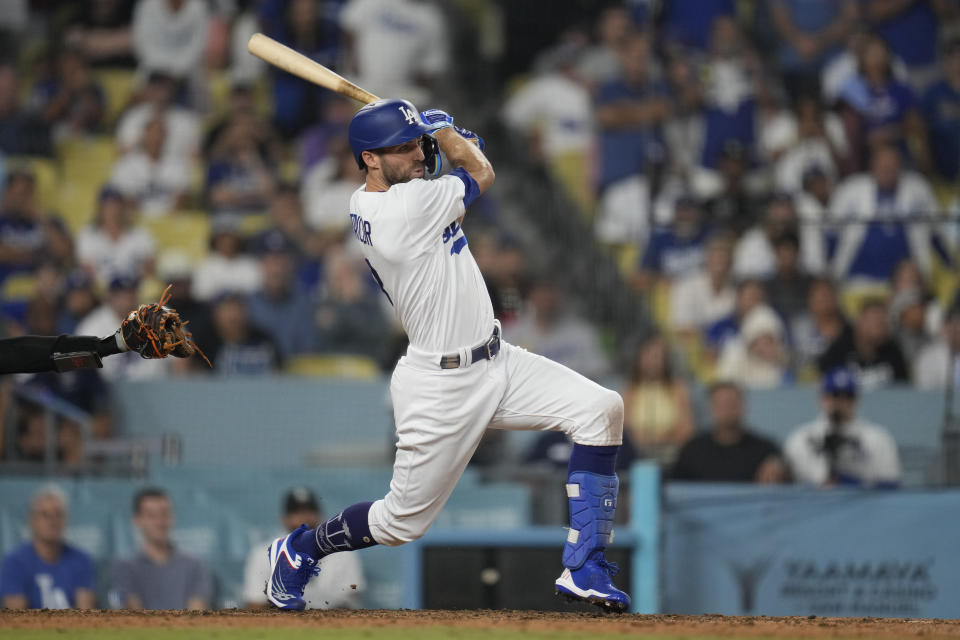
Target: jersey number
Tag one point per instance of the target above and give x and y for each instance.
(376, 276)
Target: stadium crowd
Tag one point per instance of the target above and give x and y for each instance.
(778, 178)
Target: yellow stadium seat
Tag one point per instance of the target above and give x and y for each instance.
(118, 86)
(77, 204)
(218, 84)
(333, 366)
(87, 160)
(45, 172)
(852, 298)
(19, 286)
(187, 231)
(254, 223)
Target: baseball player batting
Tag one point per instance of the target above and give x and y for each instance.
(458, 377)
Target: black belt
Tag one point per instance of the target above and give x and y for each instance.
(486, 351)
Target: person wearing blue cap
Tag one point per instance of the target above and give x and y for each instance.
(838, 448)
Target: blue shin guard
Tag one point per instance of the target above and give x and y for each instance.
(587, 575)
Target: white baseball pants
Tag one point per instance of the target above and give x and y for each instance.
(441, 414)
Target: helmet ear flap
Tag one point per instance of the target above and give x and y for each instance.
(432, 159)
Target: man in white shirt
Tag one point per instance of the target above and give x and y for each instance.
(170, 35)
(938, 365)
(700, 299)
(838, 448)
(340, 583)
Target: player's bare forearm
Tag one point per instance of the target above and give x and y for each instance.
(464, 154)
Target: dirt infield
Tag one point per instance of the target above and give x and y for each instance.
(580, 624)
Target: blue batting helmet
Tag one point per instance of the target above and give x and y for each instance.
(385, 123)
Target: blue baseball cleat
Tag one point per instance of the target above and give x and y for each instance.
(593, 583)
(289, 573)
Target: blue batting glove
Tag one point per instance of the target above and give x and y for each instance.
(470, 136)
(437, 118)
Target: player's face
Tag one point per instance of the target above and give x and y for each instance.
(402, 163)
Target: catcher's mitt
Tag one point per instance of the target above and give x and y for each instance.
(156, 331)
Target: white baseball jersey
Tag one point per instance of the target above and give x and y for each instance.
(419, 255)
(870, 458)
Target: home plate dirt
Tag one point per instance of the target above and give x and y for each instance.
(579, 624)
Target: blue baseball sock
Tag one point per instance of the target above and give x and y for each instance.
(599, 460)
(346, 531)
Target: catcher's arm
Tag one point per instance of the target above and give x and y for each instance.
(156, 331)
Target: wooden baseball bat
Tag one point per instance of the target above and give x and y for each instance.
(301, 66)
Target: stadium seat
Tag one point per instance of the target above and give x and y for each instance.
(85, 165)
(335, 366)
(118, 86)
(187, 231)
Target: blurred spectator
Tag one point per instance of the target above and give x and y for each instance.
(907, 277)
(750, 295)
(78, 301)
(787, 288)
(908, 315)
(70, 102)
(941, 109)
(600, 63)
(111, 246)
(688, 24)
(157, 99)
(685, 125)
(46, 572)
(882, 218)
(327, 188)
(551, 449)
(155, 181)
(843, 66)
(732, 203)
(628, 110)
(503, 263)
(548, 328)
(731, 72)
(758, 358)
(880, 110)
(729, 452)
(554, 114)
(658, 414)
(101, 30)
(103, 321)
(838, 448)
(938, 365)
(811, 206)
(227, 267)
(910, 27)
(340, 583)
(676, 251)
(869, 350)
(28, 235)
(820, 325)
(810, 33)
(805, 138)
(303, 26)
(237, 347)
(280, 308)
(754, 256)
(239, 176)
(241, 107)
(349, 316)
(313, 145)
(701, 299)
(20, 132)
(398, 46)
(245, 68)
(170, 36)
(286, 216)
(158, 576)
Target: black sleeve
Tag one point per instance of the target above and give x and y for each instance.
(901, 373)
(31, 354)
(683, 467)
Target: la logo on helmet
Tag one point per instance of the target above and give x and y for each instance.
(410, 116)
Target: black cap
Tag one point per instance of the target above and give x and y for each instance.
(299, 499)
